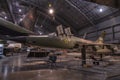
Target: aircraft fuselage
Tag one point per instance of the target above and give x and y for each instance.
(51, 42)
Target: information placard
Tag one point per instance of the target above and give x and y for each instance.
(1, 49)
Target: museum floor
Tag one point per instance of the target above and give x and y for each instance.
(22, 68)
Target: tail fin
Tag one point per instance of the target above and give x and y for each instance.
(84, 36)
(101, 38)
(60, 31)
(68, 32)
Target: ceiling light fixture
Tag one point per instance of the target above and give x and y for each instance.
(101, 10)
(50, 5)
(51, 11)
(21, 19)
(20, 10)
(5, 17)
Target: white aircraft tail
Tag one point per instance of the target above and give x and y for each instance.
(68, 32)
(101, 38)
(64, 32)
(84, 36)
(60, 31)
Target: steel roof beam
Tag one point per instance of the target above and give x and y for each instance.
(111, 3)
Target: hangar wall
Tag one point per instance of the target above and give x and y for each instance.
(111, 26)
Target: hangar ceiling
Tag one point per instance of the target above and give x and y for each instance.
(77, 14)
(112, 3)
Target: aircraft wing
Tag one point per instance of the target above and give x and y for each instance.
(8, 28)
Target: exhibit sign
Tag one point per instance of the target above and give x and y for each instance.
(1, 49)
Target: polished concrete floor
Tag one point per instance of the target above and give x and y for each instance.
(60, 74)
(21, 68)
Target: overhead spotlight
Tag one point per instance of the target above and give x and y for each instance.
(1, 45)
(5, 17)
(50, 5)
(20, 10)
(101, 10)
(51, 11)
(21, 19)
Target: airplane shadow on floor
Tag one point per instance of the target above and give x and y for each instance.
(40, 66)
